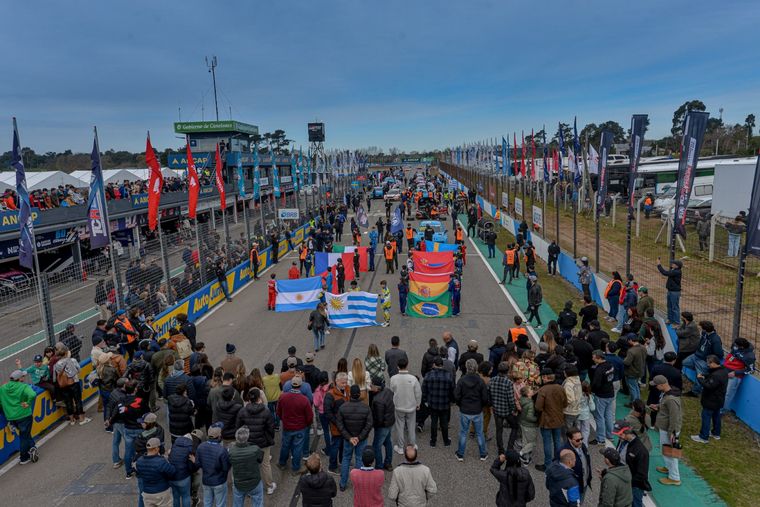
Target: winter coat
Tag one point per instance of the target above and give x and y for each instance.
(383, 410)
(670, 412)
(551, 403)
(709, 343)
(635, 362)
(226, 413)
(154, 473)
(471, 394)
(354, 420)
(245, 460)
(616, 487)
(673, 283)
(259, 421)
(637, 459)
(574, 393)
(562, 485)
(173, 380)
(477, 356)
(495, 353)
(181, 412)
(333, 401)
(535, 294)
(688, 338)
(714, 385)
(214, 460)
(517, 478)
(528, 416)
(411, 485)
(317, 490)
(567, 319)
(182, 448)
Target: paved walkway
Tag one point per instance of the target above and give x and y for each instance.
(694, 491)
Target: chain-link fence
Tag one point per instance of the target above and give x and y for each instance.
(710, 260)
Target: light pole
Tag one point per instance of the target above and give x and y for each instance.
(212, 69)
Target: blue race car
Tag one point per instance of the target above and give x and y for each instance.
(440, 234)
(377, 192)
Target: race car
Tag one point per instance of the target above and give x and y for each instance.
(428, 208)
(439, 232)
(378, 193)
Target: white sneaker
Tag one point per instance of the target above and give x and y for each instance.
(699, 439)
(327, 331)
(320, 432)
(84, 421)
(616, 330)
(271, 488)
(398, 450)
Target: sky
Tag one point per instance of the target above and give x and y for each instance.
(415, 75)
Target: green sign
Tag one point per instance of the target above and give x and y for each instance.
(191, 127)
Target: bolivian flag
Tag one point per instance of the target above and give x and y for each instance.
(427, 286)
(429, 307)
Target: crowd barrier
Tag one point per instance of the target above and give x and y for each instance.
(46, 414)
(746, 404)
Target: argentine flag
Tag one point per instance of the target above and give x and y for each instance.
(301, 294)
(352, 309)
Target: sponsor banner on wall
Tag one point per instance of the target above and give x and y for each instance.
(505, 200)
(288, 214)
(538, 217)
(518, 206)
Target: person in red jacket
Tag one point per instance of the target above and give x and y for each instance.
(296, 415)
(272, 287)
(293, 272)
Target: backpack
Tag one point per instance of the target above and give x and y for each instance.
(184, 349)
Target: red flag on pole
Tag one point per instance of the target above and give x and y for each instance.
(220, 179)
(514, 152)
(522, 154)
(193, 185)
(533, 156)
(155, 185)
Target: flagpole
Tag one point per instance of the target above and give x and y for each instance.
(112, 253)
(164, 258)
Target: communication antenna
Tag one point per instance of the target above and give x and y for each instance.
(212, 64)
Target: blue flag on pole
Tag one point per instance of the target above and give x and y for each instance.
(561, 151)
(275, 174)
(241, 180)
(396, 222)
(256, 173)
(504, 156)
(97, 222)
(25, 219)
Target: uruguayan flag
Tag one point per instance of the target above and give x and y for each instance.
(301, 294)
(352, 309)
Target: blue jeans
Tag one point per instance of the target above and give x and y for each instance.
(614, 305)
(383, 440)
(335, 444)
(622, 316)
(292, 443)
(105, 396)
(464, 425)
(491, 251)
(118, 434)
(552, 438)
(633, 388)
(256, 494)
(325, 423)
(710, 416)
(305, 444)
(604, 417)
(26, 442)
(733, 386)
(698, 365)
(272, 405)
(225, 289)
(638, 497)
(215, 496)
(345, 465)
(319, 338)
(733, 244)
(674, 306)
(129, 448)
(181, 492)
(371, 255)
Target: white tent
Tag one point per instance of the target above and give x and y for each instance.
(37, 180)
(109, 176)
(144, 174)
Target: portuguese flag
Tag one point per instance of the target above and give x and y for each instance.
(429, 307)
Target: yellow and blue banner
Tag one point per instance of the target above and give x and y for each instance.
(434, 246)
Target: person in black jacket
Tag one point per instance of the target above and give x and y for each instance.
(354, 422)
(128, 413)
(383, 419)
(259, 420)
(472, 353)
(635, 454)
(516, 487)
(602, 377)
(428, 358)
(184, 468)
(582, 466)
(226, 413)
(714, 384)
(567, 320)
(471, 394)
(673, 286)
(317, 488)
(551, 262)
(187, 328)
(150, 429)
(561, 482)
(181, 410)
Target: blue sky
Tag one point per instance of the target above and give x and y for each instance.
(407, 74)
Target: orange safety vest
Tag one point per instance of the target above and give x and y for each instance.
(394, 246)
(304, 252)
(610, 285)
(510, 257)
(409, 233)
(515, 332)
(459, 234)
(388, 253)
(128, 325)
(648, 201)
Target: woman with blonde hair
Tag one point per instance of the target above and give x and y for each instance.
(549, 339)
(359, 376)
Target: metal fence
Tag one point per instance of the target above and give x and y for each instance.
(710, 264)
(152, 273)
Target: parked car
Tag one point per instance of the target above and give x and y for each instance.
(13, 282)
(696, 208)
(440, 233)
(393, 194)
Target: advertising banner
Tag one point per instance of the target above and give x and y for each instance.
(518, 206)
(538, 217)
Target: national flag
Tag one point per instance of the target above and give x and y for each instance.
(240, 179)
(362, 218)
(561, 153)
(256, 173)
(593, 160)
(25, 219)
(396, 222)
(426, 285)
(522, 155)
(546, 159)
(193, 185)
(577, 147)
(97, 214)
(299, 294)
(430, 307)
(433, 263)
(352, 309)
(533, 155)
(155, 184)
(294, 169)
(275, 174)
(514, 170)
(220, 179)
(349, 250)
(434, 246)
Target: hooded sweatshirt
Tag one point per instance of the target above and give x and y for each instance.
(12, 394)
(616, 487)
(574, 393)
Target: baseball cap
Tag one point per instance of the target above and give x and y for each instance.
(18, 374)
(230, 348)
(643, 289)
(621, 427)
(611, 454)
(120, 312)
(148, 418)
(215, 431)
(658, 380)
(292, 361)
(37, 358)
(309, 357)
(153, 443)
